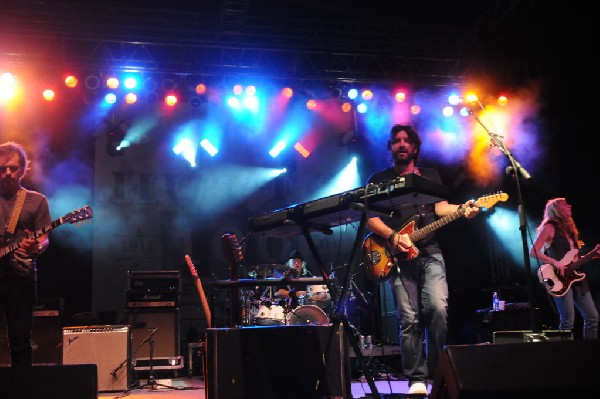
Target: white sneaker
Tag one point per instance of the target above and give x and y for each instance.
(418, 388)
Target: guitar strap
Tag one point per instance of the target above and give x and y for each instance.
(14, 216)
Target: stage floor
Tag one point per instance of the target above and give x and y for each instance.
(194, 387)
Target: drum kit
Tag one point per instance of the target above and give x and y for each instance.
(261, 306)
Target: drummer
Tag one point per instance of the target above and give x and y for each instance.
(293, 295)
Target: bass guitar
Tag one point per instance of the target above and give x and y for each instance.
(377, 258)
(557, 285)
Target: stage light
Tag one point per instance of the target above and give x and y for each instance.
(131, 98)
(352, 94)
(71, 81)
(502, 101)
(311, 104)
(287, 92)
(302, 150)
(200, 88)
(400, 97)
(208, 147)
(276, 150)
(346, 107)
(168, 84)
(112, 83)
(238, 90)
(8, 86)
(110, 98)
(115, 134)
(251, 90)
(171, 100)
(48, 94)
(130, 83)
(415, 109)
(361, 108)
(448, 111)
(367, 95)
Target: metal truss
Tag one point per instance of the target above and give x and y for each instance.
(224, 40)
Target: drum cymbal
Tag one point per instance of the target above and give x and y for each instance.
(265, 270)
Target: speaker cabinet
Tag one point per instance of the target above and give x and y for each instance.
(277, 361)
(45, 334)
(105, 346)
(50, 382)
(165, 339)
(559, 369)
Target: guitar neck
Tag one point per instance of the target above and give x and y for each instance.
(419, 234)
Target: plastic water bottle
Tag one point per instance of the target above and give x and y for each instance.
(495, 302)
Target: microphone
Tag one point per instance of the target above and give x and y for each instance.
(511, 171)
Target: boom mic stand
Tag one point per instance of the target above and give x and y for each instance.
(519, 171)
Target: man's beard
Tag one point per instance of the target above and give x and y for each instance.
(8, 185)
(404, 160)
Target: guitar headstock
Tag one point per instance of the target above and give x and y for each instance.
(79, 215)
(232, 249)
(191, 266)
(489, 201)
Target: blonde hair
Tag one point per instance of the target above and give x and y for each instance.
(565, 223)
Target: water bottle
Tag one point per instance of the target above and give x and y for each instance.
(495, 302)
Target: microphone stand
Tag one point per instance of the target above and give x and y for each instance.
(519, 171)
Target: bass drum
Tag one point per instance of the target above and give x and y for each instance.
(269, 315)
(307, 314)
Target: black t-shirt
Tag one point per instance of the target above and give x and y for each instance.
(402, 213)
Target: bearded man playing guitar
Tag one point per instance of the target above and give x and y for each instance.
(557, 244)
(418, 285)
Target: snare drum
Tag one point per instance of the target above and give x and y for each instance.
(269, 314)
(307, 314)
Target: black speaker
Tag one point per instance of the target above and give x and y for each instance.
(46, 333)
(277, 361)
(50, 382)
(166, 337)
(558, 369)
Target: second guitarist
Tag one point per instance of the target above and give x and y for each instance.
(557, 234)
(419, 286)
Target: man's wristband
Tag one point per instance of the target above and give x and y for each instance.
(391, 238)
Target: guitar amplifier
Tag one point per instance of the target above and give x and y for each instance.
(152, 299)
(153, 280)
(106, 346)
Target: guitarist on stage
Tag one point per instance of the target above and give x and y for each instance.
(18, 268)
(557, 234)
(419, 286)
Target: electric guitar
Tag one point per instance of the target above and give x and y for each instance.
(200, 289)
(74, 217)
(377, 258)
(558, 285)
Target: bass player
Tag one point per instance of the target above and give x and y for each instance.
(557, 244)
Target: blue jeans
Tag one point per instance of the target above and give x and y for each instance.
(420, 294)
(580, 297)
